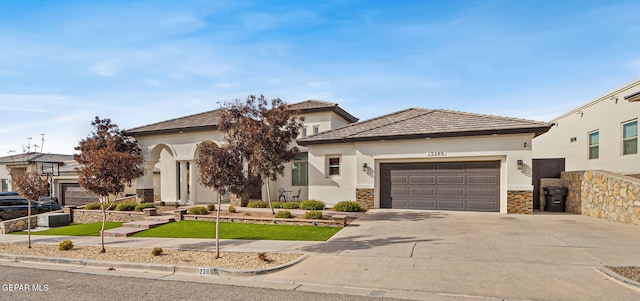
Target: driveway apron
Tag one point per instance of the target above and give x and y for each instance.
(542, 256)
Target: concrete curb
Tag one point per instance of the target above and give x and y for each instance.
(618, 278)
(173, 269)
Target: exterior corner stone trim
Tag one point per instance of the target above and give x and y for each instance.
(520, 202)
(365, 197)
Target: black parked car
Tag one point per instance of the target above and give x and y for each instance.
(49, 203)
(16, 206)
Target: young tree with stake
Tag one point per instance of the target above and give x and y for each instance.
(109, 160)
(31, 186)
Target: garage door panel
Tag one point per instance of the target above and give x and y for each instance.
(426, 191)
(422, 180)
(422, 204)
(450, 179)
(451, 192)
(478, 192)
(482, 179)
(473, 186)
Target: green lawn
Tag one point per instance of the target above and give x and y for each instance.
(92, 229)
(203, 229)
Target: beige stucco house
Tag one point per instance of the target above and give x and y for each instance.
(416, 158)
(600, 135)
(171, 146)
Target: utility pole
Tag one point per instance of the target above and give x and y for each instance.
(29, 145)
(42, 144)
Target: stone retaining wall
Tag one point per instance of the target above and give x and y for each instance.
(82, 216)
(573, 181)
(605, 195)
(259, 220)
(18, 224)
(520, 202)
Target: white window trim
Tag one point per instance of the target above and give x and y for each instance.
(303, 133)
(328, 166)
(316, 129)
(629, 138)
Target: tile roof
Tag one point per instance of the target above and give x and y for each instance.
(209, 120)
(35, 157)
(422, 123)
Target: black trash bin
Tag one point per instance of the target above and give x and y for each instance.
(555, 198)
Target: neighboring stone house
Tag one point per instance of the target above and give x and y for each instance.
(171, 145)
(426, 159)
(600, 135)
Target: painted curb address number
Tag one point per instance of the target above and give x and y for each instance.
(436, 154)
(204, 271)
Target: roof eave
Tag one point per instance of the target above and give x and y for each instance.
(534, 130)
(171, 131)
(336, 109)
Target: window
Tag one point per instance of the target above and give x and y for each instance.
(630, 138)
(594, 144)
(304, 132)
(5, 185)
(316, 129)
(334, 166)
(300, 170)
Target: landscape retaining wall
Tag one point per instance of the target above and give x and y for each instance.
(18, 224)
(604, 195)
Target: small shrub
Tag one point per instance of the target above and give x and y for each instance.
(258, 204)
(262, 257)
(347, 206)
(198, 210)
(283, 214)
(311, 205)
(93, 206)
(141, 206)
(65, 245)
(246, 213)
(176, 204)
(291, 205)
(277, 204)
(211, 207)
(126, 206)
(232, 209)
(313, 214)
(162, 203)
(157, 251)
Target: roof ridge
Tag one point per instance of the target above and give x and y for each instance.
(315, 100)
(490, 115)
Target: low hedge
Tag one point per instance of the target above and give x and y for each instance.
(291, 205)
(283, 214)
(142, 206)
(126, 206)
(258, 204)
(313, 214)
(312, 205)
(198, 210)
(347, 206)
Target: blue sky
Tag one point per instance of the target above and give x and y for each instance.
(140, 62)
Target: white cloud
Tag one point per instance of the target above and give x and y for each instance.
(106, 68)
(152, 82)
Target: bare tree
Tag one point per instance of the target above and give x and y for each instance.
(31, 186)
(221, 170)
(109, 161)
(262, 133)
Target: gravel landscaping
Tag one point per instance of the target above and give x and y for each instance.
(632, 273)
(228, 260)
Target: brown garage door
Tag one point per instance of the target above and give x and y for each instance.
(465, 186)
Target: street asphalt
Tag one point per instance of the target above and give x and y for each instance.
(426, 255)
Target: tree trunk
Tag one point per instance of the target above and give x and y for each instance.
(29, 224)
(218, 226)
(269, 198)
(104, 221)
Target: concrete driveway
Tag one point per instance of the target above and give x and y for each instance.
(462, 256)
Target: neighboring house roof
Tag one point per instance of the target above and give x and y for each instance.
(422, 123)
(209, 120)
(34, 157)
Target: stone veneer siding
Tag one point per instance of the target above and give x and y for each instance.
(364, 197)
(519, 202)
(607, 195)
(573, 181)
(145, 195)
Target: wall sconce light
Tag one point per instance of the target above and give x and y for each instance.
(520, 164)
(365, 167)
